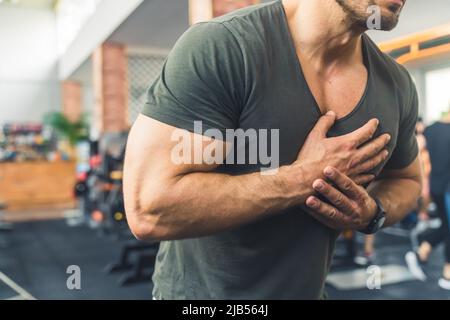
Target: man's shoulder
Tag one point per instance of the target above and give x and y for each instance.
(205, 40)
(391, 69)
(230, 28)
(243, 30)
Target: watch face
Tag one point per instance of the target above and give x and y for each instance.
(381, 222)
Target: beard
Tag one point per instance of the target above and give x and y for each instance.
(357, 12)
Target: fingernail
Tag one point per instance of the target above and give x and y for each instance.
(329, 172)
(377, 121)
(386, 153)
(312, 202)
(388, 138)
(318, 185)
(331, 113)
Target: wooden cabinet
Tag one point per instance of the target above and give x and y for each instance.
(37, 184)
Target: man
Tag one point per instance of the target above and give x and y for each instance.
(345, 114)
(438, 142)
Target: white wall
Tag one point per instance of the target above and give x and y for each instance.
(109, 15)
(28, 64)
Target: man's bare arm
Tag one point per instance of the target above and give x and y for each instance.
(168, 201)
(173, 201)
(399, 191)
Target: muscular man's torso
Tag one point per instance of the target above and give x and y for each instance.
(242, 71)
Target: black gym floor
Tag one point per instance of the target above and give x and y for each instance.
(35, 256)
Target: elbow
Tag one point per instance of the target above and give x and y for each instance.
(150, 213)
(143, 231)
(146, 225)
(420, 185)
(417, 192)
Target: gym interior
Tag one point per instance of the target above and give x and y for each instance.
(74, 76)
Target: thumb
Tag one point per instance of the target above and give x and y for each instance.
(325, 123)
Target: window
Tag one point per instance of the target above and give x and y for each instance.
(438, 93)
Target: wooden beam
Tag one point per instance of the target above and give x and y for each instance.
(416, 38)
(412, 42)
(425, 54)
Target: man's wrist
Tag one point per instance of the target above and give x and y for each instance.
(372, 210)
(378, 218)
(297, 183)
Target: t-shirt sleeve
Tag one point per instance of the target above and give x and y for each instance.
(201, 80)
(407, 149)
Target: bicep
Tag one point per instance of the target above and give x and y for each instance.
(412, 172)
(157, 153)
(406, 148)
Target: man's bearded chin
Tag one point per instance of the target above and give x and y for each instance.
(359, 15)
(389, 22)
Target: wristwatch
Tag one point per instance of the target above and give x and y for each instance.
(378, 221)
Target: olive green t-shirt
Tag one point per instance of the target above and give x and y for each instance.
(241, 71)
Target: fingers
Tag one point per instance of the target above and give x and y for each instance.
(344, 183)
(369, 165)
(325, 123)
(326, 214)
(320, 218)
(334, 196)
(363, 134)
(372, 148)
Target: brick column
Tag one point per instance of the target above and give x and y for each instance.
(204, 10)
(221, 7)
(200, 10)
(71, 100)
(110, 88)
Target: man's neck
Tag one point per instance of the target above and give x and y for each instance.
(323, 33)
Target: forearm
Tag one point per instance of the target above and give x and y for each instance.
(200, 204)
(398, 196)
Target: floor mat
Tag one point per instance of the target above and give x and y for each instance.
(374, 277)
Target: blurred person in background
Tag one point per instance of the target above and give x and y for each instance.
(426, 169)
(421, 212)
(368, 255)
(438, 145)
